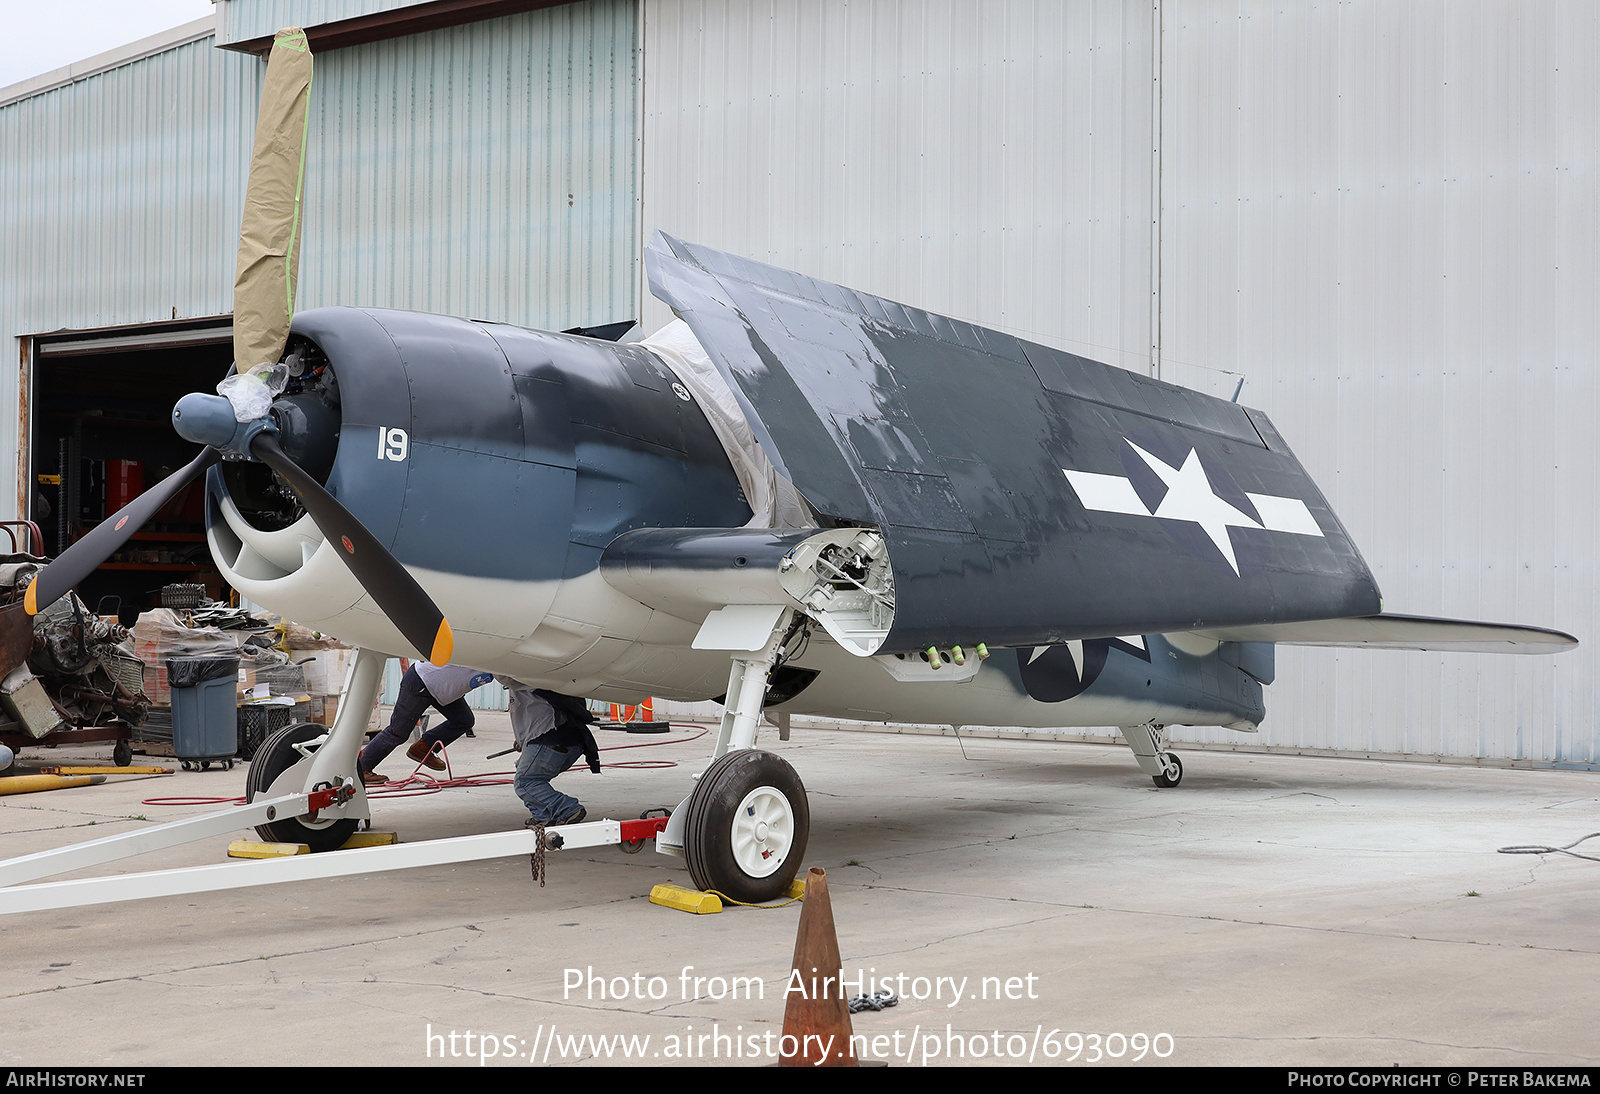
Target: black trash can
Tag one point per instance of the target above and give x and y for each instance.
(204, 726)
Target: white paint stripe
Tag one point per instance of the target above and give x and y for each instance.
(1285, 515)
(1106, 493)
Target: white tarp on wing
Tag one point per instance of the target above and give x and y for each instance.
(773, 498)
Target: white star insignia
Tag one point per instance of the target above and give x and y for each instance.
(1191, 497)
(1075, 650)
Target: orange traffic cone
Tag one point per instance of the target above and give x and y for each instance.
(816, 1018)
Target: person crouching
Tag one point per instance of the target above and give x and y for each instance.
(551, 732)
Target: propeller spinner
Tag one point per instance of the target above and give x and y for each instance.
(245, 428)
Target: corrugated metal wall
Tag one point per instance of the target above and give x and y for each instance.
(985, 160)
(241, 20)
(122, 193)
(484, 170)
(1383, 216)
(121, 203)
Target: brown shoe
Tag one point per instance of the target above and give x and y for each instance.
(372, 778)
(422, 754)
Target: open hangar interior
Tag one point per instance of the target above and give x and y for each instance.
(1384, 219)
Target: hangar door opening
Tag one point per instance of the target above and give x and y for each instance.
(102, 434)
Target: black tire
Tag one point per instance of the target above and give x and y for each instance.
(744, 800)
(1164, 780)
(275, 756)
(182, 596)
(122, 753)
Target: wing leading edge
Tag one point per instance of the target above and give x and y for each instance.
(1403, 632)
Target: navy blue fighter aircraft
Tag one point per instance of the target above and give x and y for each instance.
(799, 498)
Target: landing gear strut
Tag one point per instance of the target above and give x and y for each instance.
(743, 831)
(305, 758)
(277, 754)
(1149, 745)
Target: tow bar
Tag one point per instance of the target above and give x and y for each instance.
(18, 897)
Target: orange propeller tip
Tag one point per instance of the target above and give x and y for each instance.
(30, 602)
(444, 644)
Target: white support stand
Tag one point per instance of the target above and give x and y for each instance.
(331, 765)
(747, 687)
(335, 761)
(172, 834)
(243, 875)
(741, 707)
(1149, 745)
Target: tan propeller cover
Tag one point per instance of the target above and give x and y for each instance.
(269, 234)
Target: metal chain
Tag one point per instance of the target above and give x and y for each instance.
(536, 860)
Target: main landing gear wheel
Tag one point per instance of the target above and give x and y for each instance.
(276, 755)
(746, 826)
(1173, 775)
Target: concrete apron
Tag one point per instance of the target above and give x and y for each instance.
(1271, 910)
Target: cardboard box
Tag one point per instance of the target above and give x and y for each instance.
(279, 679)
(24, 698)
(324, 669)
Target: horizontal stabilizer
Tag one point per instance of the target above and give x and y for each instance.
(606, 332)
(1403, 632)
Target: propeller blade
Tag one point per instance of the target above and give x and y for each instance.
(79, 561)
(396, 592)
(269, 233)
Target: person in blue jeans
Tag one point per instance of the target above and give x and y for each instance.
(442, 687)
(551, 731)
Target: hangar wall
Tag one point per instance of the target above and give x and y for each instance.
(485, 170)
(1383, 217)
(241, 19)
(122, 195)
(991, 161)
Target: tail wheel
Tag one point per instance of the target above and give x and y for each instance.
(1172, 770)
(746, 826)
(276, 755)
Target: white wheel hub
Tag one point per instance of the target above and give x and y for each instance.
(763, 831)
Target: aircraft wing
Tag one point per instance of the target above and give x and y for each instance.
(1403, 632)
(1026, 495)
